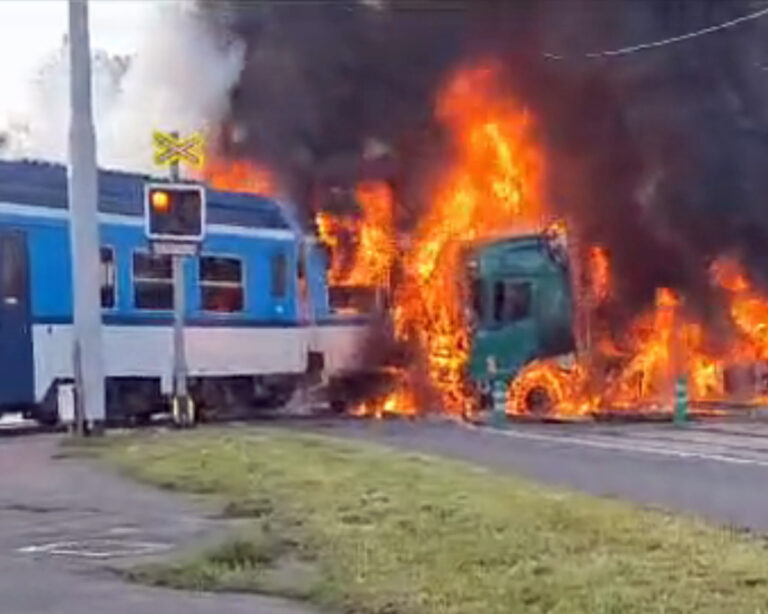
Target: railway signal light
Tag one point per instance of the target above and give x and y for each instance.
(160, 201)
(175, 212)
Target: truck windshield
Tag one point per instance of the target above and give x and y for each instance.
(511, 301)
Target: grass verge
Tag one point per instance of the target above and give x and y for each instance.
(358, 528)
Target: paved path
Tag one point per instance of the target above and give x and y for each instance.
(48, 507)
(715, 470)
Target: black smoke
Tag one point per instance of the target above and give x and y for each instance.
(333, 90)
(658, 154)
(661, 155)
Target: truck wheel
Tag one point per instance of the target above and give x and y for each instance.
(538, 401)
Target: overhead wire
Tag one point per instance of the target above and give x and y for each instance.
(666, 41)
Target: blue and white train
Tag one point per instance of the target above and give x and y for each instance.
(257, 314)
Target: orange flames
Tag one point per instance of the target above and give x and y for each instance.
(644, 379)
(402, 401)
(492, 187)
(748, 310)
(376, 250)
(561, 390)
(650, 372)
(331, 229)
(664, 343)
(373, 232)
(238, 176)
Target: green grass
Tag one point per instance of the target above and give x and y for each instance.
(358, 528)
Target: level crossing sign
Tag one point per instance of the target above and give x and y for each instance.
(172, 149)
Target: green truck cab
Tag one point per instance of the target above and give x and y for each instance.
(521, 305)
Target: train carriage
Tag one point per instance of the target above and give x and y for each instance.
(256, 310)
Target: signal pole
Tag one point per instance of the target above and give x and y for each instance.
(170, 232)
(182, 411)
(83, 224)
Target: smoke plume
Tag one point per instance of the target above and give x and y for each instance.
(658, 155)
(179, 79)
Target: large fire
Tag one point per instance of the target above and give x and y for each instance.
(664, 343)
(494, 186)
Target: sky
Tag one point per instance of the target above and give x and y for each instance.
(179, 78)
(30, 30)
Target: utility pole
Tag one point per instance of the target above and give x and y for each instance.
(83, 224)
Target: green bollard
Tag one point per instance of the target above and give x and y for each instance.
(499, 396)
(680, 415)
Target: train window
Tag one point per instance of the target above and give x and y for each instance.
(221, 284)
(12, 259)
(279, 275)
(107, 268)
(511, 301)
(152, 281)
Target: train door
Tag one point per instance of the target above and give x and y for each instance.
(16, 367)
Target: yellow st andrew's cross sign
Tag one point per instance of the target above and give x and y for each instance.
(172, 149)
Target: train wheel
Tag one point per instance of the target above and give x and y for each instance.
(338, 406)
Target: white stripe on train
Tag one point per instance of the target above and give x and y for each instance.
(145, 351)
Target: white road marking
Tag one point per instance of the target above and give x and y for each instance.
(96, 549)
(623, 447)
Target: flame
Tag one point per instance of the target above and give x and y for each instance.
(562, 386)
(376, 250)
(400, 401)
(330, 230)
(748, 309)
(374, 233)
(492, 186)
(705, 371)
(649, 373)
(238, 176)
(663, 343)
(645, 378)
(600, 271)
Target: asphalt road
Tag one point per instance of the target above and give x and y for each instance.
(66, 526)
(718, 471)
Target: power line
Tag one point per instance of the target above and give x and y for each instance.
(666, 41)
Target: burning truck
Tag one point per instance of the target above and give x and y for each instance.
(497, 132)
(477, 291)
(488, 285)
(522, 310)
(517, 292)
